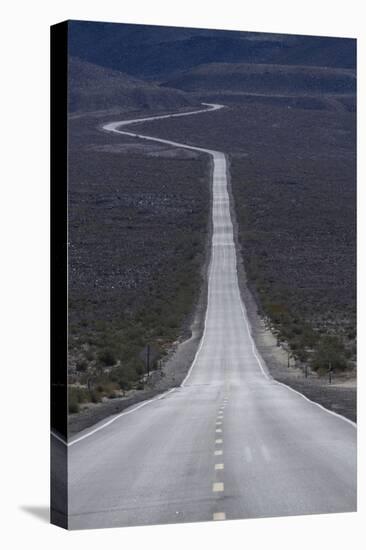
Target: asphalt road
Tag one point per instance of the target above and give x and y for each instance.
(229, 443)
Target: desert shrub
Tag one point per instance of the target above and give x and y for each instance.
(73, 406)
(81, 365)
(124, 380)
(78, 393)
(125, 384)
(95, 396)
(299, 352)
(107, 357)
(329, 351)
(277, 312)
(89, 355)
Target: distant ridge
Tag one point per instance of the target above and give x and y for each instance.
(92, 87)
(156, 53)
(265, 78)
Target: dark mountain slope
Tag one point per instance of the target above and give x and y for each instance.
(274, 79)
(158, 52)
(93, 88)
(320, 52)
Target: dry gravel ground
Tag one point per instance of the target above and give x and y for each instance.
(138, 222)
(173, 371)
(340, 396)
(174, 366)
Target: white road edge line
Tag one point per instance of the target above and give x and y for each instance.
(354, 424)
(125, 413)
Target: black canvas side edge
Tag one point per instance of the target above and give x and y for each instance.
(59, 328)
(356, 222)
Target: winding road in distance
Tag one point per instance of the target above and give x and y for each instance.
(230, 442)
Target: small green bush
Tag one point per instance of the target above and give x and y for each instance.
(81, 365)
(107, 357)
(95, 396)
(329, 351)
(89, 354)
(73, 406)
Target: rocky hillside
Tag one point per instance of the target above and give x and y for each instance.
(92, 87)
(263, 78)
(154, 52)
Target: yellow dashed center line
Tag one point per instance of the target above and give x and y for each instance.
(218, 486)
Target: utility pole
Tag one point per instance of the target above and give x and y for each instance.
(148, 359)
(330, 370)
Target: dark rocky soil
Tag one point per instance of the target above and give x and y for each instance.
(339, 396)
(138, 225)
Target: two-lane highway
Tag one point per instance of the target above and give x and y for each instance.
(230, 442)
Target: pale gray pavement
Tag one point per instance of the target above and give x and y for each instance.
(229, 443)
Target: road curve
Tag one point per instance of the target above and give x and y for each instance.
(230, 442)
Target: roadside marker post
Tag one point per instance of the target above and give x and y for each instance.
(148, 359)
(330, 370)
